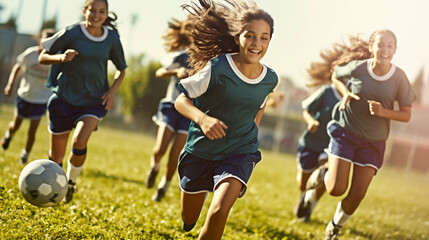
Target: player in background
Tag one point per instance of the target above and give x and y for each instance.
(173, 127)
(370, 84)
(78, 78)
(225, 98)
(317, 109)
(32, 96)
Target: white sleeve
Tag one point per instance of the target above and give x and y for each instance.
(198, 83)
(48, 42)
(264, 103)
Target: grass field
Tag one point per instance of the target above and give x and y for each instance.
(113, 203)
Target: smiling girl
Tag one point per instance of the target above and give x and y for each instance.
(358, 136)
(225, 99)
(78, 78)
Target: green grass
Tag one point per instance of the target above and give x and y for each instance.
(113, 203)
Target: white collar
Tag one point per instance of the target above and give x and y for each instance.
(386, 76)
(95, 39)
(240, 75)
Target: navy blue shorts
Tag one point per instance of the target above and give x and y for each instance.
(64, 116)
(168, 116)
(33, 111)
(201, 175)
(349, 147)
(308, 160)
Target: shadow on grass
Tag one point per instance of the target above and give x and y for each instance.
(268, 232)
(100, 174)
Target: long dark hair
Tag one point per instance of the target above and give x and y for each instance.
(215, 26)
(110, 21)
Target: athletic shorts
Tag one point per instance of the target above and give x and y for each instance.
(64, 116)
(201, 175)
(308, 160)
(168, 116)
(349, 147)
(32, 111)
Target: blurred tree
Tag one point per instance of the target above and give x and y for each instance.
(10, 23)
(49, 23)
(140, 90)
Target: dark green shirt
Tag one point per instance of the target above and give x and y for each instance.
(361, 80)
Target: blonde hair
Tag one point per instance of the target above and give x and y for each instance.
(178, 35)
(342, 53)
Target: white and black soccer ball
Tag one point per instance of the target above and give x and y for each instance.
(43, 183)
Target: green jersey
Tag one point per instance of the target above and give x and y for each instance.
(362, 81)
(83, 81)
(319, 105)
(222, 91)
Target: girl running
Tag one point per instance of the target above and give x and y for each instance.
(358, 136)
(172, 125)
(32, 96)
(78, 77)
(225, 99)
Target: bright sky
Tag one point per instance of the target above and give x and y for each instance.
(302, 27)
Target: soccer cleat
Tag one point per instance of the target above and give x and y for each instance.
(5, 142)
(151, 178)
(332, 231)
(298, 210)
(317, 178)
(187, 227)
(24, 157)
(303, 209)
(158, 195)
(70, 191)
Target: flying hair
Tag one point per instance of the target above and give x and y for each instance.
(178, 35)
(342, 53)
(216, 23)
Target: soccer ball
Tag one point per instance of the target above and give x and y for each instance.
(43, 183)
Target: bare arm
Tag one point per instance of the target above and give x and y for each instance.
(109, 96)
(16, 71)
(259, 116)
(178, 72)
(403, 115)
(312, 124)
(212, 127)
(46, 58)
(347, 95)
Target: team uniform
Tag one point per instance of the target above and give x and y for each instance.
(33, 94)
(356, 135)
(222, 91)
(167, 114)
(311, 146)
(79, 85)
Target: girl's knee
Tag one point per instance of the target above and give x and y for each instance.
(337, 189)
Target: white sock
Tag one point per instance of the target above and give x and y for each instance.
(164, 184)
(24, 152)
(154, 165)
(7, 134)
(72, 171)
(340, 217)
(310, 196)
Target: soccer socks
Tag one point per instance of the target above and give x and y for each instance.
(164, 184)
(154, 165)
(310, 196)
(73, 171)
(340, 217)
